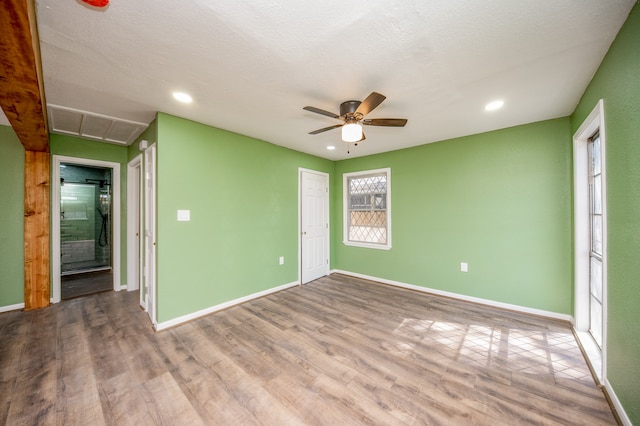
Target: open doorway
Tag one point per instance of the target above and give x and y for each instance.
(85, 225)
(85, 230)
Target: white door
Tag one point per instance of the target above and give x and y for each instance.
(150, 232)
(134, 221)
(314, 225)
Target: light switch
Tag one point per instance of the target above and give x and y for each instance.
(184, 215)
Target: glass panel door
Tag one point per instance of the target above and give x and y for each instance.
(595, 255)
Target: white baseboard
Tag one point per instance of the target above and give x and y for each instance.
(12, 307)
(624, 418)
(487, 302)
(180, 320)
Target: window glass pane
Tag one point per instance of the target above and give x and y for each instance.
(597, 194)
(368, 234)
(597, 163)
(596, 234)
(596, 279)
(596, 321)
(367, 216)
(358, 201)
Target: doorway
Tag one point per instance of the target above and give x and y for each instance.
(85, 227)
(314, 225)
(85, 230)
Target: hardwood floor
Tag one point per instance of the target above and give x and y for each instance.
(338, 351)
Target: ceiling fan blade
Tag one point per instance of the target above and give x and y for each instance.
(321, 111)
(324, 129)
(369, 104)
(392, 122)
(363, 138)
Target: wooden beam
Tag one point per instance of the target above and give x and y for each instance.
(21, 82)
(36, 229)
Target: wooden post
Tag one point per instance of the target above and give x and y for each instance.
(36, 230)
(22, 100)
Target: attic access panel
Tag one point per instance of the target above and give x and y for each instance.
(85, 124)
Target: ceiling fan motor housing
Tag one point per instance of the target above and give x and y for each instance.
(349, 107)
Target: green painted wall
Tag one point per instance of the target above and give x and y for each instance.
(618, 83)
(83, 148)
(243, 197)
(500, 201)
(11, 218)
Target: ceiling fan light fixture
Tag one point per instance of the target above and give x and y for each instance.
(352, 115)
(351, 132)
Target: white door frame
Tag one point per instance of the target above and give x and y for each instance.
(302, 170)
(134, 221)
(55, 218)
(582, 242)
(149, 225)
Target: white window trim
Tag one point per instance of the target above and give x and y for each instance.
(345, 209)
(594, 122)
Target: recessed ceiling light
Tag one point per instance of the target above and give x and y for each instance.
(331, 147)
(182, 97)
(494, 105)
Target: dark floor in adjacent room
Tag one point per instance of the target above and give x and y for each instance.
(82, 284)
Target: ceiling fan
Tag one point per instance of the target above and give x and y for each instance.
(352, 115)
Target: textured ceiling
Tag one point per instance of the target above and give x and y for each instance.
(252, 66)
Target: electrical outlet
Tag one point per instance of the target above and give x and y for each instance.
(184, 215)
(464, 267)
(281, 260)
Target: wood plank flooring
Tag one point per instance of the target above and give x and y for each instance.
(338, 351)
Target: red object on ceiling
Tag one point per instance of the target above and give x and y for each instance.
(97, 3)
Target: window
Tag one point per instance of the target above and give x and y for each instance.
(367, 209)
